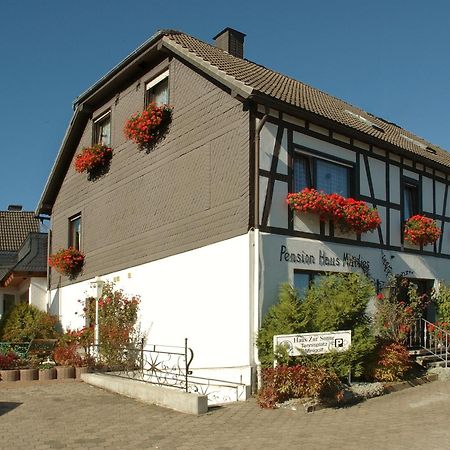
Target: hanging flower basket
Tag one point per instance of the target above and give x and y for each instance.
(349, 214)
(67, 262)
(92, 159)
(147, 127)
(421, 230)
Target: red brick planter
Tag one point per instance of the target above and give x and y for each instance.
(47, 374)
(63, 372)
(28, 374)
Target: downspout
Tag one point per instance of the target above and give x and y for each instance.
(256, 247)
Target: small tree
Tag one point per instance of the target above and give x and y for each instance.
(26, 322)
(441, 296)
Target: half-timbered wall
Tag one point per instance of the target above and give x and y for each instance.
(378, 177)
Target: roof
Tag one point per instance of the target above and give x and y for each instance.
(249, 81)
(300, 95)
(31, 258)
(15, 227)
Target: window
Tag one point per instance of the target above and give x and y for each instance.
(304, 279)
(75, 232)
(321, 174)
(102, 129)
(157, 90)
(410, 200)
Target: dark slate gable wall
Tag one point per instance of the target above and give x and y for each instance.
(190, 191)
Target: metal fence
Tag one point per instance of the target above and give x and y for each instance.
(164, 365)
(431, 337)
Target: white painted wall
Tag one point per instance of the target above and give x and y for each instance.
(276, 270)
(38, 293)
(202, 295)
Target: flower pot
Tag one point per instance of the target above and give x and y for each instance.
(10, 375)
(28, 374)
(80, 370)
(47, 374)
(63, 372)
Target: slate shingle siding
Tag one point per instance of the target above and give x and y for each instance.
(189, 191)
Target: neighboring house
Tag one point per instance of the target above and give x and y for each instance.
(203, 236)
(23, 259)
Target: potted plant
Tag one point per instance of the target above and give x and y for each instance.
(93, 159)
(347, 213)
(421, 230)
(67, 358)
(47, 371)
(147, 127)
(67, 262)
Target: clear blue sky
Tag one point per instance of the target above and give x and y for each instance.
(389, 57)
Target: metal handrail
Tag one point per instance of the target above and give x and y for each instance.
(431, 337)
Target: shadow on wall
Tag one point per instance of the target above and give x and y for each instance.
(54, 307)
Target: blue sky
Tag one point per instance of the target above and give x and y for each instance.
(389, 57)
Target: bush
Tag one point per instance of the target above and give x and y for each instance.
(67, 355)
(393, 363)
(26, 322)
(283, 383)
(8, 361)
(442, 298)
(335, 302)
(282, 318)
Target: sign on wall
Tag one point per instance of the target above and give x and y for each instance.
(314, 343)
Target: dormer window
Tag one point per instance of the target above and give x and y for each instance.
(157, 90)
(102, 129)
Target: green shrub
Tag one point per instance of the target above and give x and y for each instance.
(442, 298)
(282, 318)
(26, 322)
(335, 302)
(282, 383)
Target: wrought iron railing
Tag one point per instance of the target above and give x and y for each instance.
(163, 365)
(431, 337)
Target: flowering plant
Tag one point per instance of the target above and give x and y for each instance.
(421, 230)
(91, 158)
(67, 262)
(147, 127)
(348, 213)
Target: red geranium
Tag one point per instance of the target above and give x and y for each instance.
(348, 213)
(421, 230)
(91, 158)
(146, 127)
(68, 262)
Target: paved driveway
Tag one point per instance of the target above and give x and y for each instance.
(74, 415)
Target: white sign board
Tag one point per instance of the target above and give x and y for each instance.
(314, 343)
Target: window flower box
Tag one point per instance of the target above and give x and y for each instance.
(349, 214)
(147, 127)
(421, 230)
(93, 159)
(67, 262)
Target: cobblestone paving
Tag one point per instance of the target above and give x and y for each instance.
(78, 416)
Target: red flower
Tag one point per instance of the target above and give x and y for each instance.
(380, 296)
(348, 213)
(146, 127)
(92, 157)
(421, 230)
(68, 262)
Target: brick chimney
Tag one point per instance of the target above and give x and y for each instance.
(15, 208)
(232, 41)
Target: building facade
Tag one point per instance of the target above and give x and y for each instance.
(199, 226)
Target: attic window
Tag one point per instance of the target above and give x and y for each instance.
(431, 150)
(364, 120)
(157, 90)
(102, 129)
(416, 142)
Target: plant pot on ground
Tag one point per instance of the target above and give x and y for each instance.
(47, 374)
(65, 372)
(80, 370)
(29, 374)
(10, 375)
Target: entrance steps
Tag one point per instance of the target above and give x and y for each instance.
(427, 359)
